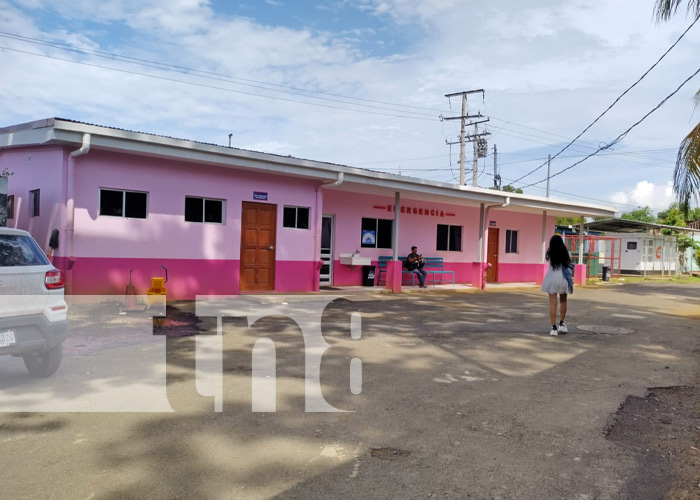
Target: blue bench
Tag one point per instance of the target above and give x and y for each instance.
(434, 266)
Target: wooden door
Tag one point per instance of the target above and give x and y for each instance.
(492, 255)
(258, 239)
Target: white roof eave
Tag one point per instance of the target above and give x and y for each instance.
(67, 133)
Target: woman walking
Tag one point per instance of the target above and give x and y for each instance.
(556, 282)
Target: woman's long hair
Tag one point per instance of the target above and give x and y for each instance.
(557, 254)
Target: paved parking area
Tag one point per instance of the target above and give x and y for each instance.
(463, 395)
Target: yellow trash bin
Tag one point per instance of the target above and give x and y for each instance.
(157, 293)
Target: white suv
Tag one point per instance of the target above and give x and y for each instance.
(33, 312)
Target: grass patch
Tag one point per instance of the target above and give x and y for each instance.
(680, 280)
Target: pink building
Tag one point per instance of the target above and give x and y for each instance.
(229, 221)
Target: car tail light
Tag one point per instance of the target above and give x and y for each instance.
(54, 279)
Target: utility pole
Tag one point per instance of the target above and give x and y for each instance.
(549, 161)
(463, 118)
(463, 138)
(480, 149)
(495, 168)
(475, 170)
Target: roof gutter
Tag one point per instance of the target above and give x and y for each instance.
(318, 217)
(337, 182)
(84, 148)
(70, 205)
(483, 215)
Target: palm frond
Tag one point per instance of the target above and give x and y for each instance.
(686, 176)
(664, 9)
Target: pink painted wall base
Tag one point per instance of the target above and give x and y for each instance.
(186, 278)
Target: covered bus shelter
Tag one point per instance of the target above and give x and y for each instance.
(644, 249)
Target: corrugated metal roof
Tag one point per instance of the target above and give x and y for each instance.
(71, 132)
(630, 226)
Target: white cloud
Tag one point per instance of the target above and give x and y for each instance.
(550, 66)
(645, 193)
(406, 11)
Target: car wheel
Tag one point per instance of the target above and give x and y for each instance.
(44, 364)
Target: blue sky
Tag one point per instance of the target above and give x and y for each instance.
(362, 82)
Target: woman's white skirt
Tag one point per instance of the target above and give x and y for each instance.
(555, 282)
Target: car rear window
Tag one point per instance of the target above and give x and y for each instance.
(20, 250)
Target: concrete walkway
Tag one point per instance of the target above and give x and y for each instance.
(463, 395)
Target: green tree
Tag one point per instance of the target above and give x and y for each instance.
(689, 214)
(642, 215)
(512, 189)
(693, 215)
(684, 242)
(671, 217)
(686, 175)
(568, 221)
(509, 189)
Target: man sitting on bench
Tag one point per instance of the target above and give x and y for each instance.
(414, 263)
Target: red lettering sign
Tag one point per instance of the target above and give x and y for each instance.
(431, 212)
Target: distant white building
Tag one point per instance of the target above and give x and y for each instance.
(643, 249)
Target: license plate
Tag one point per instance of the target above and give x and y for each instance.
(7, 339)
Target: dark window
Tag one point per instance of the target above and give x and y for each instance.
(214, 211)
(135, 205)
(449, 238)
(296, 217)
(376, 233)
(34, 203)
(204, 210)
(631, 245)
(111, 202)
(194, 209)
(511, 241)
(118, 203)
(11, 206)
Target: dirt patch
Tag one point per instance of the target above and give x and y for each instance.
(691, 312)
(176, 323)
(663, 429)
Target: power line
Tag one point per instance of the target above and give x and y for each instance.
(622, 135)
(212, 75)
(616, 100)
(174, 80)
(511, 182)
(402, 159)
(583, 153)
(640, 153)
(587, 144)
